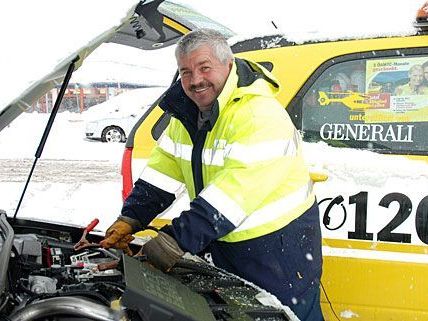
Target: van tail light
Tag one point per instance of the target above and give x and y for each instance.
(126, 172)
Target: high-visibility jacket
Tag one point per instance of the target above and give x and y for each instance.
(252, 204)
(245, 164)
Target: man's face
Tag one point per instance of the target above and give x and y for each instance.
(416, 76)
(202, 76)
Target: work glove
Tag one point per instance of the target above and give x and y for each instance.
(163, 251)
(118, 236)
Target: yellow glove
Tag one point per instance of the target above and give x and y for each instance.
(163, 251)
(118, 236)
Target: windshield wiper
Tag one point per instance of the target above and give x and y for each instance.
(48, 128)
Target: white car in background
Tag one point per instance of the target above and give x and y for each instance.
(112, 120)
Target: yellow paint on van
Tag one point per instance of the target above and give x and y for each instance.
(143, 140)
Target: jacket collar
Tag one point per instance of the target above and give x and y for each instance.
(244, 78)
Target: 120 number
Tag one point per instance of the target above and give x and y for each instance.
(386, 233)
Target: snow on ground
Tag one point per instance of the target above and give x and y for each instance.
(60, 197)
(75, 178)
(66, 140)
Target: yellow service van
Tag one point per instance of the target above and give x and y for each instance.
(362, 108)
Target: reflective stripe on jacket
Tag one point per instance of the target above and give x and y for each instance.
(245, 162)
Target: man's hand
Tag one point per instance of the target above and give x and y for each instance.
(118, 236)
(163, 251)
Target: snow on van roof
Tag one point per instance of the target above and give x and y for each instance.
(328, 20)
(305, 37)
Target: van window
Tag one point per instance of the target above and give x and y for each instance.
(376, 104)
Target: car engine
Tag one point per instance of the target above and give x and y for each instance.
(42, 277)
(45, 277)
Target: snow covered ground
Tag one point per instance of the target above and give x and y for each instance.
(75, 179)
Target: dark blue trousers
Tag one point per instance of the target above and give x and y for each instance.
(286, 263)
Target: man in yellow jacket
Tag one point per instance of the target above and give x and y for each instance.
(234, 147)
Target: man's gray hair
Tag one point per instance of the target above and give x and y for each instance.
(199, 37)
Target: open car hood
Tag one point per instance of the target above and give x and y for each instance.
(148, 25)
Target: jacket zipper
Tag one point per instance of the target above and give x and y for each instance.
(197, 160)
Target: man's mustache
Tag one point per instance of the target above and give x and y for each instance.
(199, 86)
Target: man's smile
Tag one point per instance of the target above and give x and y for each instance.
(199, 90)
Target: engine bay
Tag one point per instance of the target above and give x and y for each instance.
(44, 278)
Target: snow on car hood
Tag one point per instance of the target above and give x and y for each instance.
(131, 102)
